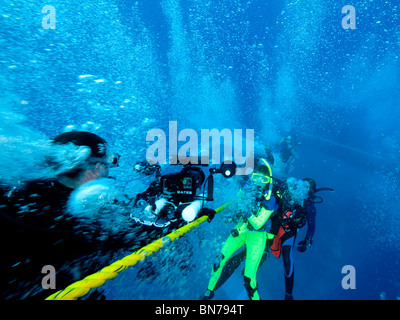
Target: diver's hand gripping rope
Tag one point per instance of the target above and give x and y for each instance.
(82, 287)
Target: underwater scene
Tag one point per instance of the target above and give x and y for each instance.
(263, 135)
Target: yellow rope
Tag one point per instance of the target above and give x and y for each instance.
(82, 287)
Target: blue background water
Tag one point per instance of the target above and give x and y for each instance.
(279, 67)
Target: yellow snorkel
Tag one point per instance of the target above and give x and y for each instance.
(264, 178)
(269, 193)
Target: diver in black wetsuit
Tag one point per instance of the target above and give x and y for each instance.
(291, 215)
(285, 154)
(36, 229)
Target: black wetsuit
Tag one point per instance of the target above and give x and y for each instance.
(36, 230)
(289, 220)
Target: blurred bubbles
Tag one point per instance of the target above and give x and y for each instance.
(87, 126)
(89, 198)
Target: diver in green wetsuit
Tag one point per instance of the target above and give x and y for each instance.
(251, 232)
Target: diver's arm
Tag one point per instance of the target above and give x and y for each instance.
(311, 215)
(210, 213)
(259, 219)
(293, 152)
(307, 242)
(153, 190)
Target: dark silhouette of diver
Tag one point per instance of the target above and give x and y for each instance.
(282, 157)
(36, 229)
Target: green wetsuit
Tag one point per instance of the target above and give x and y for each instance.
(253, 234)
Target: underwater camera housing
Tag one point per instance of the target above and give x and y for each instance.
(180, 194)
(185, 184)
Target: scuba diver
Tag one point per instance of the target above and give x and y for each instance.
(252, 232)
(284, 154)
(53, 220)
(36, 228)
(295, 201)
(296, 208)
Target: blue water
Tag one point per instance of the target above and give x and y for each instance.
(278, 67)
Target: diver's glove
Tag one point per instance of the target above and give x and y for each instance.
(152, 202)
(304, 245)
(207, 212)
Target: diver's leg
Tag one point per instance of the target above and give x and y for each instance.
(255, 246)
(269, 239)
(232, 244)
(230, 266)
(288, 266)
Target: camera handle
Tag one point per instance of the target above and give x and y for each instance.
(210, 186)
(228, 170)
